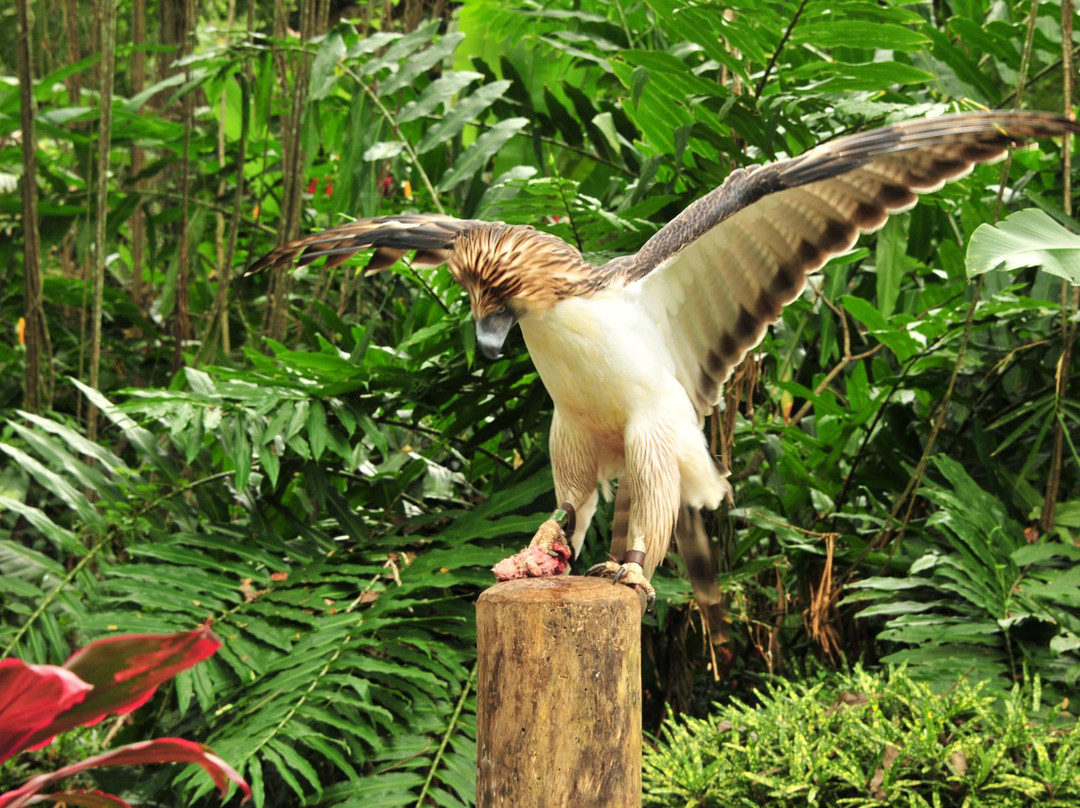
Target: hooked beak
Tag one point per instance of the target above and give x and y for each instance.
(491, 332)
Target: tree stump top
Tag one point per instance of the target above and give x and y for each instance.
(568, 589)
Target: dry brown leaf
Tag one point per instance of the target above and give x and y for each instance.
(887, 760)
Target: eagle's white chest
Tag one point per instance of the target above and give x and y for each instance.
(610, 373)
(603, 361)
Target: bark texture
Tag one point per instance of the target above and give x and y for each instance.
(558, 694)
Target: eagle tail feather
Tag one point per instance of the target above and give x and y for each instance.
(696, 551)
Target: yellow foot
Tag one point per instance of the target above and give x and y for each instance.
(546, 535)
(628, 574)
(559, 528)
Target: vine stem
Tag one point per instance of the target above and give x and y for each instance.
(568, 207)
(779, 49)
(1060, 64)
(909, 493)
(847, 359)
(434, 432)
(48, 599)
(413, 158)
(450, 727)
(911, 489)
(107, 28)
(1070, 298)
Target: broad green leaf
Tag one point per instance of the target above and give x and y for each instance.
(57, 485)
(317, 429)
(326, 68)
(466, 110)
(474, 158)
(419, 64)
(441, 91)
(384, 150)
(403, 47)
(862, 33)
(140, 437)
(1024, 239)
(268, 459)
(890, 261)
(1044, 551)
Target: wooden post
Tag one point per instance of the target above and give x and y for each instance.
(558, 694)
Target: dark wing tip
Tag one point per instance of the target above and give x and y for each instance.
(976, 137)
(275, 259)
(391, 236)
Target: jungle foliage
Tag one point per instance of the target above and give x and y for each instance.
(321, 465)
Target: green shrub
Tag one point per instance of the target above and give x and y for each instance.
(867, 739)
(983, 599)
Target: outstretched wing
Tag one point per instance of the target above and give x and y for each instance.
(432, 237)
(719, 273)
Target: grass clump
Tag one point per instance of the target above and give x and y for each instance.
(871, 739)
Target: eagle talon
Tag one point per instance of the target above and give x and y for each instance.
(605, 569)
(628, 574)
(546, 535)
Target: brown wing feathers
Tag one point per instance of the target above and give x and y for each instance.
(743, 251)
(913, 156)
(392, 236)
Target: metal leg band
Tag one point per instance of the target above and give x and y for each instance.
(565, 516)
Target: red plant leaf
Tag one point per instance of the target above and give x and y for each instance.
(162, 750)
(125, 671)
(31, 696)
(82, 799)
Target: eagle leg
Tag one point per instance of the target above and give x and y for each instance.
(629, 573)
(559, 527)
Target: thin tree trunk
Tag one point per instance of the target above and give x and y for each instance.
(226, 247)
(1070, 297)
(138, 154)
(107, 27)
(182, 314)
(293, 157)
(224, 271)
(171, 23)
(74, 81)
(35, 333)
(170, 34)
(43, 54)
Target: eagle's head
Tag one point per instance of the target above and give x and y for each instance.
(512, 272)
